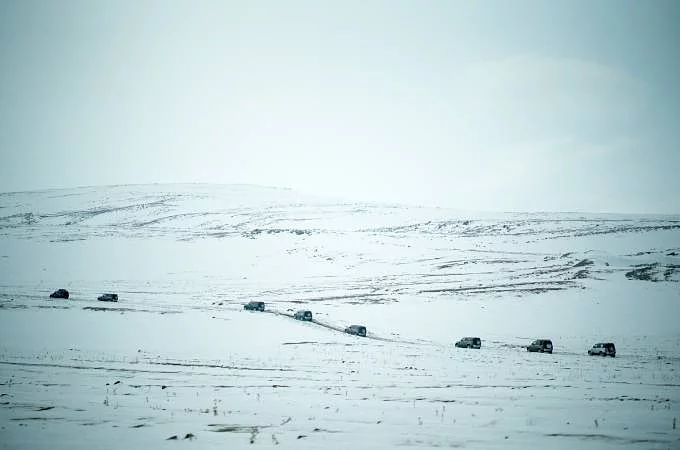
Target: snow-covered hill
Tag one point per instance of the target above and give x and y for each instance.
(184, 258)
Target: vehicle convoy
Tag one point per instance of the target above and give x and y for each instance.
(603, 349)
(541, 346)
(254, 306)
(358, 330)
(469, 342)
(108, 298)
(303, 315)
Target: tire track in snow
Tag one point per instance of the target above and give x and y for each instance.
(341, 329)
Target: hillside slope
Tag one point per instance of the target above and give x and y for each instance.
(191, 245)
(178, 356)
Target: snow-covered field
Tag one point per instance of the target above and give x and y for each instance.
(178, 356)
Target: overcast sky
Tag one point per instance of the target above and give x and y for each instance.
(493, 105)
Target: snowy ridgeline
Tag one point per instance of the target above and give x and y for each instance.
(178, 356)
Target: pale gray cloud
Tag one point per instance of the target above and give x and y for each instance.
(541, 95)
(477, 106)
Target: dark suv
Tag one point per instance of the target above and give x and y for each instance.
(358, 330)
(254, 306)
(541, 346)
(469, 342)
(59, 293)
(108, 298)
(603, 349)
(303, 315)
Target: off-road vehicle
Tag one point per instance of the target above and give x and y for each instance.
(358, 330)
(541, 346)
(59, 293)
(603, 349)
(303, 315)
(108, 298)
(254, 306)
(469, 342)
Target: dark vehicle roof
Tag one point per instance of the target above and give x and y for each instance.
(542, 341)
(255, 303)
(471, 339)
(304, 311)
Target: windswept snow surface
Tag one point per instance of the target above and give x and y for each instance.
(178, 356)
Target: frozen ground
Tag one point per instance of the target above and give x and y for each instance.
(177, 355)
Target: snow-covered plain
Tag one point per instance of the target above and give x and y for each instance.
(178, 356)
